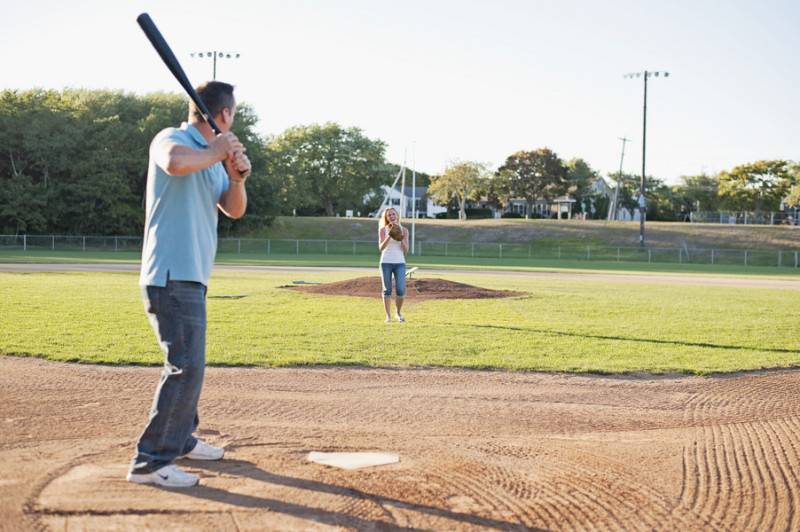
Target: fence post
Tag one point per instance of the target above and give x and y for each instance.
(680, 256)
(771, 218)
(25, 245)
(54, 242)
(745, 223)
(795, 259)
(780, 258)
(115, 243)
(712, 257)
(84, 243)
(501, 250)
(238, 246)
(269, 245)
(297, 244)
(649, 255)
(745, 257)
(529, 250)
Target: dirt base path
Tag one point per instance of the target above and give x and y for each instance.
(479, 450)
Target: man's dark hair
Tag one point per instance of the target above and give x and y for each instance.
(216, 95)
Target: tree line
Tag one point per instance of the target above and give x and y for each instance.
(528, 176)
(75, 162)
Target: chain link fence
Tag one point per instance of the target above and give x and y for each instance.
(425, 248)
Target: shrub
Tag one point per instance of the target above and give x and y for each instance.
(478, 213)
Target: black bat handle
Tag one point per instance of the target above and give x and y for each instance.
(160, 44)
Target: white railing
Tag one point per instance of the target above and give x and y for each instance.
(747, 218)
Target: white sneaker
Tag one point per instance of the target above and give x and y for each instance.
(204, 451)
(168, 476)
(400, 318)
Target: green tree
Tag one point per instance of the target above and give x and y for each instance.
(262, 186)
(461, 182)
(580, 178)
(75, 161)
(758, 186)
(22, 207)
(533, 175)
(793, 197)
(696, 193)
(660, 200)
(326, 167)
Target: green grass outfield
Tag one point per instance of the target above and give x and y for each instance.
(430, 262)
(562, 325)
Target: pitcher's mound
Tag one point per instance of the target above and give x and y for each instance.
(418, 289)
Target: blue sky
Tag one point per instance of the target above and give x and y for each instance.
(449, 80)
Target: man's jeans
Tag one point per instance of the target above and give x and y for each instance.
(177, 313)
(399, 271)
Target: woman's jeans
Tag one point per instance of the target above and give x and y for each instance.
(399, 272)
(177, 313)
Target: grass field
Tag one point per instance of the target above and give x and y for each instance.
(562, 325)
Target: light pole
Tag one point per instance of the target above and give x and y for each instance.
(642, 202)
(214, 56)
(413, 193)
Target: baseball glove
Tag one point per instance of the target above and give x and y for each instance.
(396, 232)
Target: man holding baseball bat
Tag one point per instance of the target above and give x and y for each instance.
(192, 173)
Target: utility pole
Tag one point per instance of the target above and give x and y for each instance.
(642, 186)
(214, 56)
(612, 212)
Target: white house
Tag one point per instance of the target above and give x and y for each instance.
(425, 206)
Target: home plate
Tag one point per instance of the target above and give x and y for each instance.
(353, 460)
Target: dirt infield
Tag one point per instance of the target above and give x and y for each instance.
(479, 450)
(416, 289)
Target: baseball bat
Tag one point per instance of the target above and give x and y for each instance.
(157, 40)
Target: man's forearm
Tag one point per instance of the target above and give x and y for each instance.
(233, 201)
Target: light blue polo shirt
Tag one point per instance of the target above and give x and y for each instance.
(180, 228)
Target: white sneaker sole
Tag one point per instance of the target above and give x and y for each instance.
(150, 479)
(204, 458)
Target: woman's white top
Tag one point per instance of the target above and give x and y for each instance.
(393, 253)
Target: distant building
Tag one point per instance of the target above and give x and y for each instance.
(426, 208)
(562, 206)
